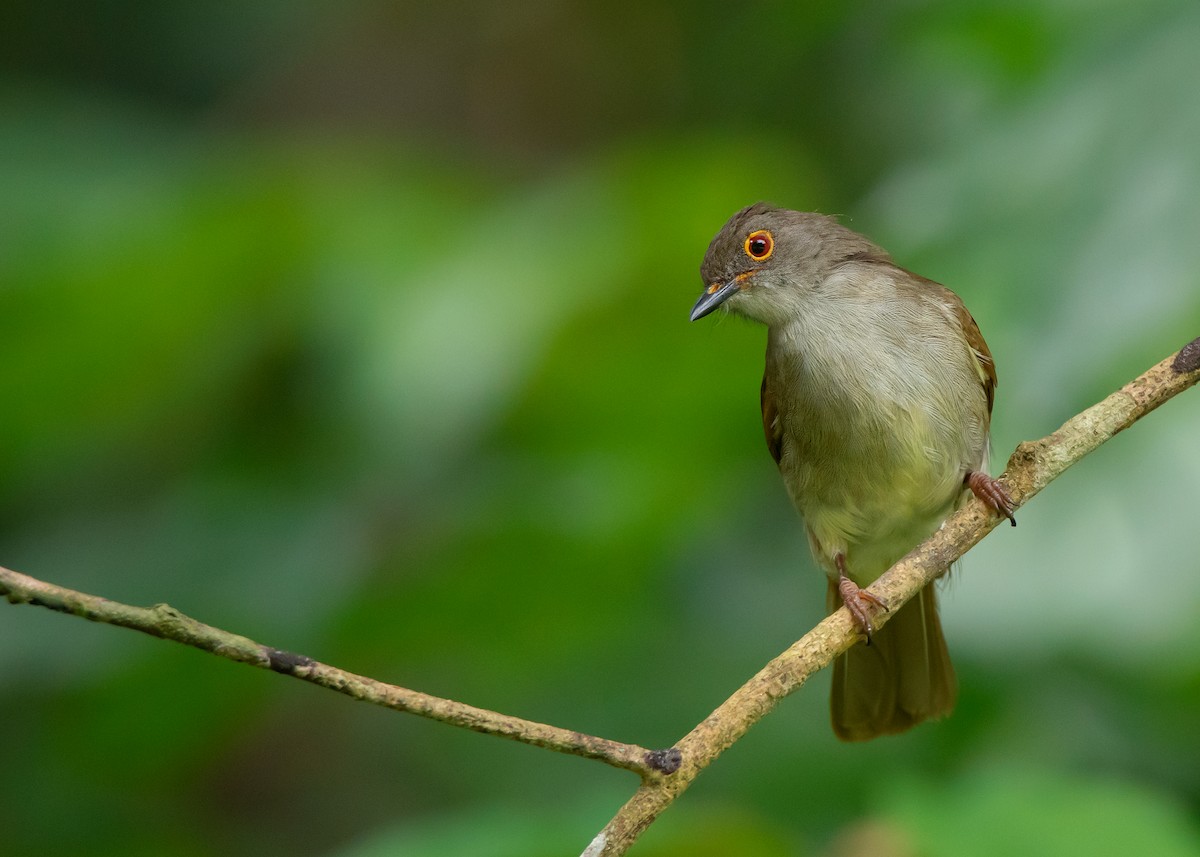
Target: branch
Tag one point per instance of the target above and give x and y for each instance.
(167, 623)
(667, 773)
(1031, 468)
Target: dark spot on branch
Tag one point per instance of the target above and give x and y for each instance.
(1188, 358)
(286, 662)
(664, 761)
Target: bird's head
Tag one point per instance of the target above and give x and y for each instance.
(765, 261)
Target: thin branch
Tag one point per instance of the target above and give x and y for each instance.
(1030, 469)
(166, 622)
(667, 773)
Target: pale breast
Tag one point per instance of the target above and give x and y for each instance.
(881, 414)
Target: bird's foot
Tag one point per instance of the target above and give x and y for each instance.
(858, 601)
(991, 493)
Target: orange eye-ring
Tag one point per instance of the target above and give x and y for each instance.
(759, 245)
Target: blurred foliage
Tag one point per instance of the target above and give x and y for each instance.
(360, 329)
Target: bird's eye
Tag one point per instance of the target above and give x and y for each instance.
(759, 245)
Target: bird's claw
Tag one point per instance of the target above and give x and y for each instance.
(992, 494)
(859, 602)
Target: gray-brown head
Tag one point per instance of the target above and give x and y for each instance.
(764, 256)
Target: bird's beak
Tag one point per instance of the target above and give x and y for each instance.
(713, 297)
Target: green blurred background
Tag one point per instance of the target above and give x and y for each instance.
(361, 329)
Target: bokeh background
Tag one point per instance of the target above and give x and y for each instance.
(361, 329)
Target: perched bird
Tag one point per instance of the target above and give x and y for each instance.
(876, 401)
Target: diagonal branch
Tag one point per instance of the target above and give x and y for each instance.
(166, 622)
(1030, 469)
(666, 774)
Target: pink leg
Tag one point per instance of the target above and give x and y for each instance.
(857, 599)
(991, 493)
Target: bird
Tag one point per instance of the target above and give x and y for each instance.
(876, 400)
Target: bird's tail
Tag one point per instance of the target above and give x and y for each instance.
(903, 677)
